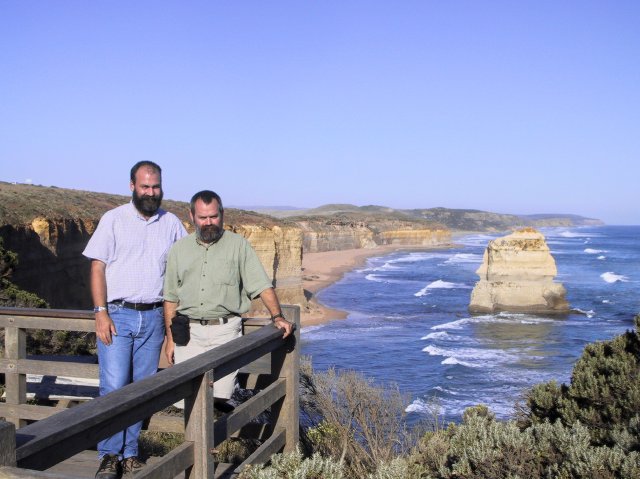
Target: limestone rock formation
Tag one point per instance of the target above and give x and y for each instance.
(48, 228)
(356, 230)
(517, 275)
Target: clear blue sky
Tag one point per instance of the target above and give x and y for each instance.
(505, 106)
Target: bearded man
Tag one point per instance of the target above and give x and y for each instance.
(212, 276)
(128, 254)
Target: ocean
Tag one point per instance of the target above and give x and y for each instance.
(408, 322)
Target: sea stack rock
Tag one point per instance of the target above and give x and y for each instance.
(517, 275)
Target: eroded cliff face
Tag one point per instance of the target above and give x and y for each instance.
(321, 234)
(280, 251)
(517, 275)
(417, 237)
(50, 261)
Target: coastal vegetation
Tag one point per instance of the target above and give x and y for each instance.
(588, 428)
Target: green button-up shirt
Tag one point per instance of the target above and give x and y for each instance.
(211, 281)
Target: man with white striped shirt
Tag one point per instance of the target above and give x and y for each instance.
(128, 253)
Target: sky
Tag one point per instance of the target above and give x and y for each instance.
(507, 106)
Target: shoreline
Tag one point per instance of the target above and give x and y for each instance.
(320, 270)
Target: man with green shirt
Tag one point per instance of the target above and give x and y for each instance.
(212, 275)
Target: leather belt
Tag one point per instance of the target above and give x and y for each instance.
(138, 306)
(214, 322)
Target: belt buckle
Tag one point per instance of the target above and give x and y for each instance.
(204, 322)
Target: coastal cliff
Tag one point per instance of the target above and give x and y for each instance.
(342, 231)
(517, 275)
(48, 228)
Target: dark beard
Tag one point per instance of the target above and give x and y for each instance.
(147, 205)
(209, 233)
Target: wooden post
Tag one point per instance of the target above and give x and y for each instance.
(15, 340)
(286, 364)
(198, 417)
(7, 444)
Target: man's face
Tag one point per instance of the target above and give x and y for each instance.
(208, 221)
(147, 191)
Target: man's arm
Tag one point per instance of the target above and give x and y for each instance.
(104, 324)
(169, 313)
(271, 302)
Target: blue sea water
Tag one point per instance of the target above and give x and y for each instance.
(408, 322)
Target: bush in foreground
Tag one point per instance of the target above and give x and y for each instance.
(587, 429)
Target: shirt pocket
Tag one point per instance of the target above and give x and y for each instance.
(223, 272)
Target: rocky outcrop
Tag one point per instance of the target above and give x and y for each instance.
(356, 230)
(335, 236)
(48, 228)
(280, 251)
(517, 275)
(414, 237)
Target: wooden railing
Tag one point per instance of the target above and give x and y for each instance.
(269, 363)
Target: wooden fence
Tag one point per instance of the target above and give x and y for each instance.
(269, 363)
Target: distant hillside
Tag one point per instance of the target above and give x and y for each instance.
(21, 203)
(454, 219)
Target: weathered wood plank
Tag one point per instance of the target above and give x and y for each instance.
(48, 313)
(7, 444)
(17, 473)
(169, 466)
(49, 368)
(286, 364)
(198, 428)
(15, 342)
(30, 412)
(51, 323)
(87, 423)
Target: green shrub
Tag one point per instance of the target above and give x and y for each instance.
(604, 394)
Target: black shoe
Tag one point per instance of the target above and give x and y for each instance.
(109, 467)
(131, 466)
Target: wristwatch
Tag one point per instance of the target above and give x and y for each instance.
(276, 316)
(97, 309)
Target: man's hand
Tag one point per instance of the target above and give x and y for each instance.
(169, 348)
(105, 327)
(285, 325)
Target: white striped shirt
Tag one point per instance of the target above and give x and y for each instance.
(134, 250)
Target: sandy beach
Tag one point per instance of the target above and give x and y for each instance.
(320, 270)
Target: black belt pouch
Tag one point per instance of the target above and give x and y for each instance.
(180, 329)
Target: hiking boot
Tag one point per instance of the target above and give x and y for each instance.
(109, 467)
(131, 465)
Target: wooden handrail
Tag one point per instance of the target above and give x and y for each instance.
(38, 444)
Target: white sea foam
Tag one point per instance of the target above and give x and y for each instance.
(440, 284)
(374, 277)
(438, 335)
(458, 324)
(573, 234)
(589, 314)
(454, 361)
(413, 257)
(311, 329)
(606, 301)
(611, 277)
(436, 351)
(594, 251)
(423, 292)
(602, 257)
(465, 258)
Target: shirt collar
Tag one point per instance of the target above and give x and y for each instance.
(140, 217)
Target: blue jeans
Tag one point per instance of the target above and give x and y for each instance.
(132, 355)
